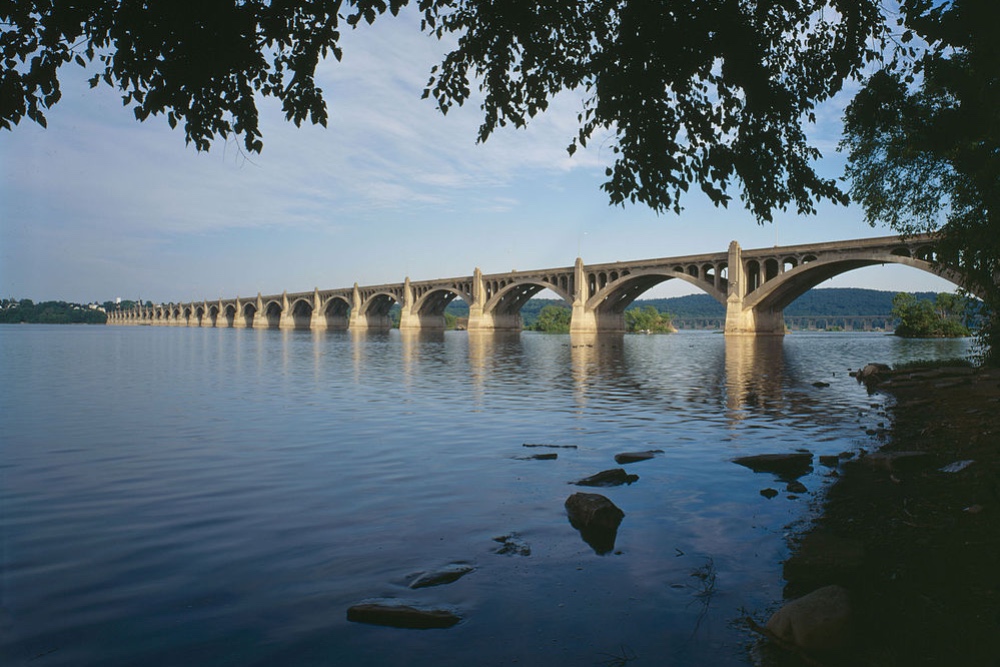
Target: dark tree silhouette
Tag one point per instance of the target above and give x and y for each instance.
(712, 93)
(923, 138)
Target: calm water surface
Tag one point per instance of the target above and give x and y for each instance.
(174, 496)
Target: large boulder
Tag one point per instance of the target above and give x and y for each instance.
(819, 622)
(597, 519)
(872, 374)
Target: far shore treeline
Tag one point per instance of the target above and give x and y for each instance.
(829, 309)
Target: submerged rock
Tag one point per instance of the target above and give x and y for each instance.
(446, 575)
(830, 461)
(788, 467)
(769, 493)
(597, 519)
(512, 545)
(614, 477)
(539, 457)
(397, 614)
(796, 487)
(871, 374)
(819, 622)
(634, 457)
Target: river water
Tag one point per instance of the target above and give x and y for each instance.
(175, 496)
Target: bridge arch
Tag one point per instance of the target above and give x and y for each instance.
(270, 315)
(779, 292)
(606, 307)
(247, 315)
(506, 299)
(301, 311)
(373, 312)
(335, 312)
(427, 310)
(228, 315)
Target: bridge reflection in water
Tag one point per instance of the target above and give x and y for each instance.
(745, 374)
(754, 286)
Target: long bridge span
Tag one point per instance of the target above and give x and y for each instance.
(754, 285)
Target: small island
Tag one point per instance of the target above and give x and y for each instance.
(638, 319)
(944, 316)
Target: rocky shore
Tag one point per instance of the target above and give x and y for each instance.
(911, 530)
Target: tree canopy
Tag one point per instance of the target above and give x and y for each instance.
(647, 319)
(943, 317)
(712, 93)
(923, 138)
(553, 319)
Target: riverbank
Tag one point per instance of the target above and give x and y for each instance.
(912, 528)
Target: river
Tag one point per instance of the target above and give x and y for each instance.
(176, 496)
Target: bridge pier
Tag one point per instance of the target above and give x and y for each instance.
(259, 316)
(480, 319)
(743, 321)
(287, 318)
(412, 320)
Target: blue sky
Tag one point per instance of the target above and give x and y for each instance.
(100, 206)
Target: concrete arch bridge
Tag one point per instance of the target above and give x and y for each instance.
(754, 285)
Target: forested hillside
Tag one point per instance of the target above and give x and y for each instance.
(49, 312)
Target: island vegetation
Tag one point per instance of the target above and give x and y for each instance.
(943, 316)
(647, 319)
(552, 319)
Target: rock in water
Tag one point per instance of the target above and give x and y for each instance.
(597, 519)
(398, 615)
(539, 457)
(613, 477)
(871, 374)
(445, 575)
(819, 622)
(788, 467)
(633, 457)
(512, 545)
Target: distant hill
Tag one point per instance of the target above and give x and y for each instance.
(818, 302)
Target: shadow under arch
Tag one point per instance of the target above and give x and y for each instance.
(777, 293)
(607, 305)
(503, 307)
(428, 310)
(334, 313)
(374, 311)
(301, 310)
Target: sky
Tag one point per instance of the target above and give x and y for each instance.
(99, 206)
